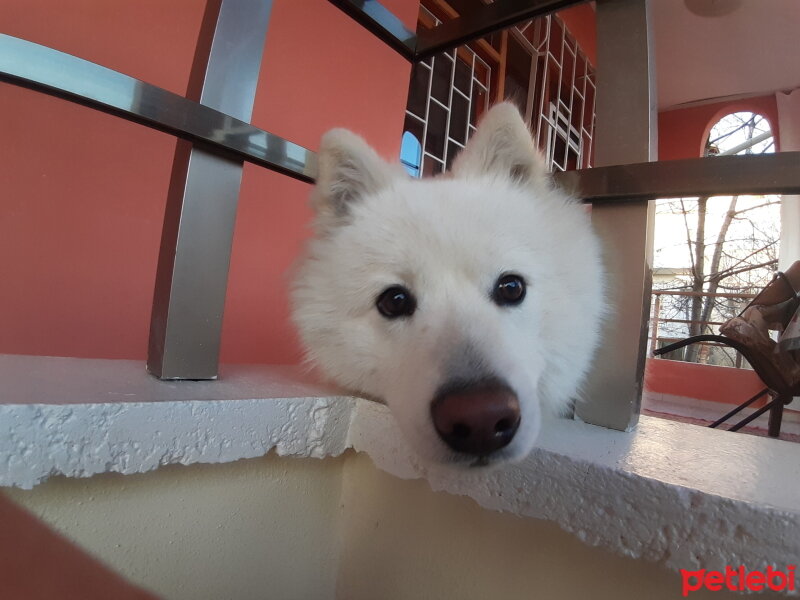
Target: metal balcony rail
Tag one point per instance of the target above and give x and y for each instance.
(482, 20)
(64, 76)
(657, 319)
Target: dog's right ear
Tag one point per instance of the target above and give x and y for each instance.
(502, 146)
(348, 170)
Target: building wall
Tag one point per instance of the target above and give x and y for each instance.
(83, 193)
(704, 382)
(403, 541)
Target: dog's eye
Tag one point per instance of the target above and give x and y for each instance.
(509, 290)
(395, 302)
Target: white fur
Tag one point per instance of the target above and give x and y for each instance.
(447, 240)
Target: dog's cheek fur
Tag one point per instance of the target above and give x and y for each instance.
(341, 344)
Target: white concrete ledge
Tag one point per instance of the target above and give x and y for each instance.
(80, 417)
(670, 492)
(683, 495)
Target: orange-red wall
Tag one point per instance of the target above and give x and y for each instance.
(682, 132)
(82, 194)
(582, 23)
(704, 382)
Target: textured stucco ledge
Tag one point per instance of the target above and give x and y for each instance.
(682, 495)
(678, 494)
(81, 417)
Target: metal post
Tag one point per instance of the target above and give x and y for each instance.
(656, 316)
(625, 133)
(775, 417)
(192, 274)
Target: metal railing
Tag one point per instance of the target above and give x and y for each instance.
(664, 318)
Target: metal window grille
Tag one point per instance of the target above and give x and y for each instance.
(446, 97)
(561, 106)
(546, 74)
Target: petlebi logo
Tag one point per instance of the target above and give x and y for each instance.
(740, 579)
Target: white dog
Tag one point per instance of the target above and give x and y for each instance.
(469, 303)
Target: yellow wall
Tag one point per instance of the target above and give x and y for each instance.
(415, 544)
(250, 530)
(287, 528)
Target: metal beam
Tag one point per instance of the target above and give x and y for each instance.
(777, 173)
(376, 18)
(483, 20)
(747, 144)
(52, 72)
(625, 133)
(64, 76)
(200, 215)
(61, 75)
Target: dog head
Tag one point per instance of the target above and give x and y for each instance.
(468, 303)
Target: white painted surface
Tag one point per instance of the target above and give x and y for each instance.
(708, 411)
(789, 124)
(751, 51)
(56, 380)
(669, 492)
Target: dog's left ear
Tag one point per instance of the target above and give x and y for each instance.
(502, 145)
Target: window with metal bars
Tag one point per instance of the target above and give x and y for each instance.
(538, 65)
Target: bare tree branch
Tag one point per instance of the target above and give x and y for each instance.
(769, 263)
(688, 236)
(715, 277)
(729, 133)
(744, 210)
(722, 274)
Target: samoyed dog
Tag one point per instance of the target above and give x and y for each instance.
(469, 303)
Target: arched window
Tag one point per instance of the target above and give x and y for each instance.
(740, 133)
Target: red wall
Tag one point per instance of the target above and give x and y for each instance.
(82, 194)
(682, 132)
(704, 382)
(36, 563)
(582, 23)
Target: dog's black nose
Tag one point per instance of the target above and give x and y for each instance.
(478, 418)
